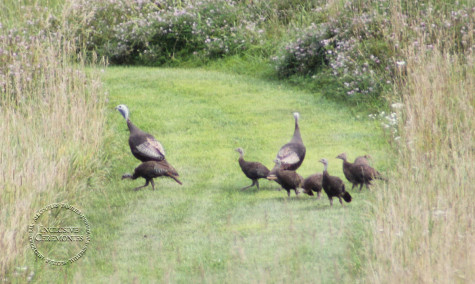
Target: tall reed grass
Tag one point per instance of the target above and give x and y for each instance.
(52, 117)
(422, 227)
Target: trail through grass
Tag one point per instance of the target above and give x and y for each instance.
(208, 230)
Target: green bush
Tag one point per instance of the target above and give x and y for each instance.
(304, 56)
(350, 44)
(159, 33)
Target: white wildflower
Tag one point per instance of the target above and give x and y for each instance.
(396, 106)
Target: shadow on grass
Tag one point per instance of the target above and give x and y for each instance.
(292, 198)
(265, 187)
(323, 207)
(254, 190)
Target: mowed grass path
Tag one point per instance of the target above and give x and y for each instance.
(208, 230)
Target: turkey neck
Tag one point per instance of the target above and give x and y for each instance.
(132, 127)
(325, 172)
(346, 163)
(297, 137)
(241, 158)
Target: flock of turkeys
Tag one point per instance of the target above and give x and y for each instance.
(289, 158)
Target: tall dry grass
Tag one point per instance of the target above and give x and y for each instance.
(52, 118)
(423, 228)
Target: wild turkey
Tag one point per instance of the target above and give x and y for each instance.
(313, 183)
(292, 154)
(253, 170)
(153, 169)
(347, 170)
(358, 173)
(143, 145)
(362, 160)
(333, 186)
(288, 179)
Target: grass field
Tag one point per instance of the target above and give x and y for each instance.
(64, 142)
(208, 230)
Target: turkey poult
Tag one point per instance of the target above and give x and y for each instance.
(288, 179)
(253, 170)
(347, 170)
(292, 154)
(143, 145)
(333, 186)
(312, 184)
(153, 169)
(358, 173)
(362, 160)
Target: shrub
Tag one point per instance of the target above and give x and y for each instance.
(353, 44)
(305, 55)
(353, 49)
(157, 33)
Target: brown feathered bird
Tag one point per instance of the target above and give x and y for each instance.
(312, 184)
(253, 170)
(153, 169)
(347, 170)
(359, 173)
(333, 186)
(362, 160)
(288, 179)
(292, 154)
(143, 145)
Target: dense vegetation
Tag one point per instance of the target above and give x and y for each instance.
(350, 49)
(374, 53)
(52, 122)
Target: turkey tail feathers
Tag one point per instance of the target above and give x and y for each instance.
(176, 179)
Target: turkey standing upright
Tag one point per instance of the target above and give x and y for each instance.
(359, 173)
(333, 186)
(253, 170)
(290, 155)
(347, 170)
(143, 145)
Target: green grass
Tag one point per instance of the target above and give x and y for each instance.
(208, 230)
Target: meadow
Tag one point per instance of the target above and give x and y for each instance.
(388, 78)
(208, 229)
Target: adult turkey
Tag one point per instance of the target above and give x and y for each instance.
(359, 173)
(153, 169)
(253, 170)
(312, 184)
(143, 145)
(288, 179)
(292, 154)
(333, 186)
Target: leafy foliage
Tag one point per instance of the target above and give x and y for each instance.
(353, 44)
(156, 33)
(306, 55)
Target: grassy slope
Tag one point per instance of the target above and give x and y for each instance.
(207, 229)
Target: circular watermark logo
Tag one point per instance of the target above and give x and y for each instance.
(59, 234)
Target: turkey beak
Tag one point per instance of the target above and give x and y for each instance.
(271, 177)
